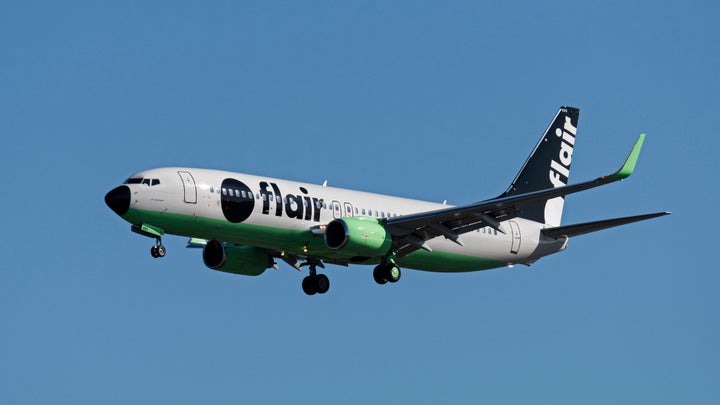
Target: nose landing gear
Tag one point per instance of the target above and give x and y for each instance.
(158, 250)
(151, 232)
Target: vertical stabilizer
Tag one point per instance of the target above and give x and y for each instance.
(548, 167)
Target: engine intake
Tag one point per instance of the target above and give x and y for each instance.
(358, 236)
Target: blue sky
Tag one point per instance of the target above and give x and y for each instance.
(429, 100)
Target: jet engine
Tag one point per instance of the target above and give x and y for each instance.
(358, 236)
(237, 259)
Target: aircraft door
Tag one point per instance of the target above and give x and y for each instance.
(189, 186)
(515, 237)
(336, 209)
(348, 209)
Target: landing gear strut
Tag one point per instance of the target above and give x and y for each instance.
(385, 272)
(315, 283)
(145, 230)
(158, 250)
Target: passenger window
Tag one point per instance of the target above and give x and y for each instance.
(382, 214)
(363, 211)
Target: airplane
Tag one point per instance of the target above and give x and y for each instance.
(243, 222)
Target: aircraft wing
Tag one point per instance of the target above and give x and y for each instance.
(410, 232)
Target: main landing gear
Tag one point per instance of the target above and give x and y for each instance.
(315, 283)
(385, 272)
(319, 283)
(158, 250)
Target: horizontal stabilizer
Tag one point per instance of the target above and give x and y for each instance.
(581, 229)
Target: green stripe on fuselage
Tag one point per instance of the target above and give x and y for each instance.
(294, 241)
(443, 262)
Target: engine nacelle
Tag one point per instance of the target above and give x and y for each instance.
(245, 260)
(358, 236)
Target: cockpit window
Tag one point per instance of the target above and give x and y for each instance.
(140, 180)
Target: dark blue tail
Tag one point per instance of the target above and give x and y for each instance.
(548, 167)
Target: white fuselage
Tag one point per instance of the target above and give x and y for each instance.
(285, 210)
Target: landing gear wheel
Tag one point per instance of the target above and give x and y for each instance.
(315, 283)
(385, 272)
(322, 284)
(379, 275)
(157, 251)
(392, 273)
(309, 285)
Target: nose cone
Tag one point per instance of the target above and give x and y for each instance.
(118, 199)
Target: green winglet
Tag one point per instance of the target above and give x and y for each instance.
(629, 166)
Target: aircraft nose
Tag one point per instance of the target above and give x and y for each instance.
(118, 199)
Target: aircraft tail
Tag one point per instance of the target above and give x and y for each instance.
(548, 167)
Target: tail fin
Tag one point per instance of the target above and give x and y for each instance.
(548, 167)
